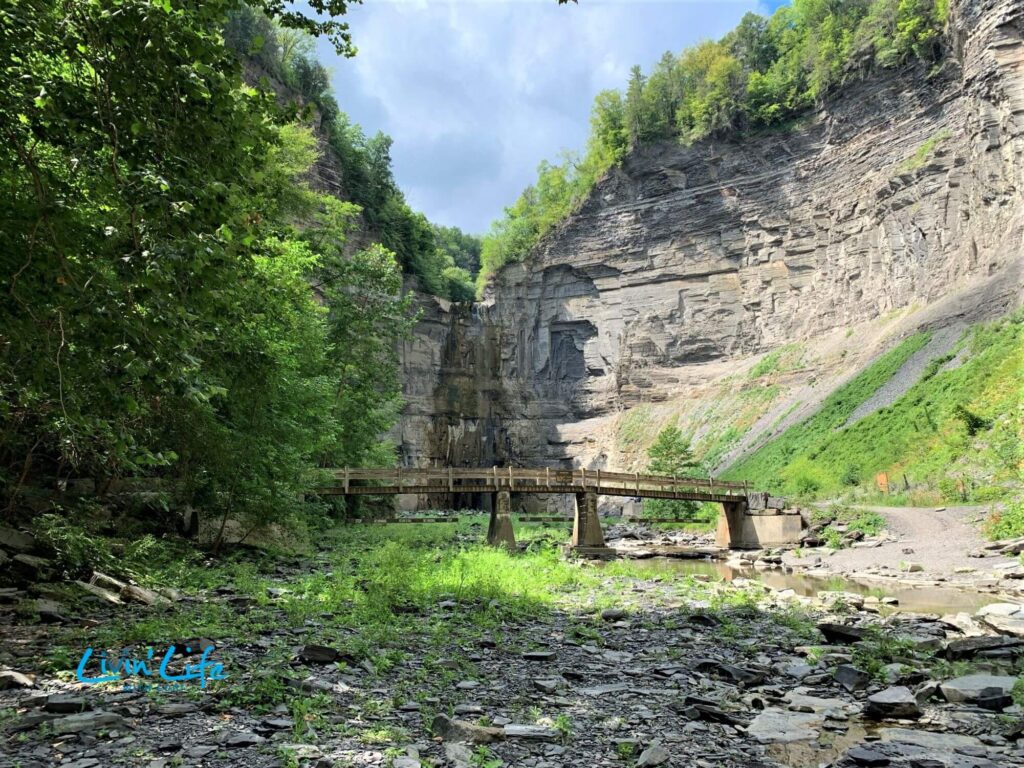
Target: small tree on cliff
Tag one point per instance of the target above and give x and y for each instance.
(670, 454)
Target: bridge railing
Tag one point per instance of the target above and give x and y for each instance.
(452, 479)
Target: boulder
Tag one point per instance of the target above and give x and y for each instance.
(461, 730)
(32, 568)
(49, 611)
(318, 654)
(653, 755)
(972, 689)
(895, 702)
(851, 678)
(65, 704)
(1006, 625)
(841, 634)
(867, 757)
(968, 647)
(11, 679)
(16, 541)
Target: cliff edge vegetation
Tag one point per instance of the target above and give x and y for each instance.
(762, 74)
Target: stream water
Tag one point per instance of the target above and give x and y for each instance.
(804, 739)
(925, 599)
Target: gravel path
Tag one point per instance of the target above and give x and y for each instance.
(938, 539)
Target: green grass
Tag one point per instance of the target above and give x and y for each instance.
(781, 360)
(924, 151)
(1007, 523)
(636, 427)
(953, 428)
(867, 522)
(787, 457)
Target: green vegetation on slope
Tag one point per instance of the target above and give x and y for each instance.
(957, 431)
(182, 306)
(445, 259)
(763, 73)
(786, 462)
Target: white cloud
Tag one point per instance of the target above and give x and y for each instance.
(476, 93)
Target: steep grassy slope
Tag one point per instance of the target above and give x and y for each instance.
(955, 434)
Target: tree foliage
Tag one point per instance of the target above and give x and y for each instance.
(288, 55)
(764, 72)
(670, 455)
(181, 305)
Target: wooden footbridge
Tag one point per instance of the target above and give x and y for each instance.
(737, 500)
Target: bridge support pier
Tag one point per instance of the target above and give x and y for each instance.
(586, 527)
(499, 531)
(739, 527)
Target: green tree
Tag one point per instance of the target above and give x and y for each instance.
(182, 304)
(670, 455)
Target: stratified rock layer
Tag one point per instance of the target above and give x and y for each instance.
(906, 190)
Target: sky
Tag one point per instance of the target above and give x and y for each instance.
(475, 93)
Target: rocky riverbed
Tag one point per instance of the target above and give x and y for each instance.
(619, 669)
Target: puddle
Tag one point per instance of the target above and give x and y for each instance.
(940, 600)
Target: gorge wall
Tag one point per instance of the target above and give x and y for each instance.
(902, 197)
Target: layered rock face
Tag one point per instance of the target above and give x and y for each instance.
(904, 190)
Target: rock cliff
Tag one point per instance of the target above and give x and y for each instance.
(898, 205)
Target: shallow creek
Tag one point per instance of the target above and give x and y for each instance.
(925, 599)
(808, 738)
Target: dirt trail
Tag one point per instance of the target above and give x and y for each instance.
(939, 539)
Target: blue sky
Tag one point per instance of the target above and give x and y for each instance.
(476, 93)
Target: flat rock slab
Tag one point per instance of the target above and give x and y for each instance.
(971, 688)
(932, 739)
(86, 721)
(781, 726)
(1007, 625)
(540, 656)
(63, 704)
(602, 690)
(530, 732)
(967, 647)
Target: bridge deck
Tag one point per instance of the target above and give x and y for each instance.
(363, 482)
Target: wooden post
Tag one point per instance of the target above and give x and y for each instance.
(674, 491)
(495, 470)
(346, 480)
(451, 480)
(547, 476)
(399, 478)
(583, 477)
(599, 480)
(510, 480)
(636, 481)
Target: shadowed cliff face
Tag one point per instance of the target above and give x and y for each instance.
(906, 191)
